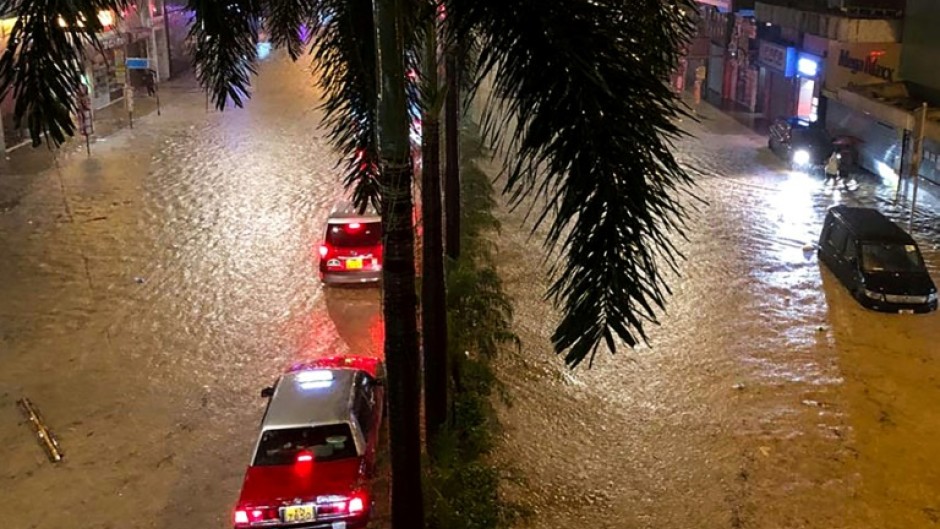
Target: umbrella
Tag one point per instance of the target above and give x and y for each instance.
(847, 140)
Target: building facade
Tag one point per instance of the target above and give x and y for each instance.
(138, 32)
(722, 54)
(809, 49)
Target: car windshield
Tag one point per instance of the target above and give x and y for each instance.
(354, 234)
(891, 258)
(326, 443)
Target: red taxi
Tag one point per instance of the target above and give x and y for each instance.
(315, 455)
(351, 251)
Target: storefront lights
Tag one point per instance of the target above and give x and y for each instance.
(106, 18)
(807, 67)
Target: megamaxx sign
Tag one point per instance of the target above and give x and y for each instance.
(867, 64)
(859, 64)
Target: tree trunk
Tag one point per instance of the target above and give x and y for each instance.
(399, 301)
(452, 152)
(433, 303)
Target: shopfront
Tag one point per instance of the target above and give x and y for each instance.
(777, 70)
(106, 69)
(742, 67)
(11, 135)
(808, 72)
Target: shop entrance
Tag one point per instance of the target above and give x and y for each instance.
(807, 103)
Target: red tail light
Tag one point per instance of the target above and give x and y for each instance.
(353, 226)
(324, 250)
(356, 505)
(304, 457)
(241, 517)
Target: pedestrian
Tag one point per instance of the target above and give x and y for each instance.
(832, 169)
(150, 82)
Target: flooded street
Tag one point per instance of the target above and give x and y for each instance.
(151, 291)
(769, 398)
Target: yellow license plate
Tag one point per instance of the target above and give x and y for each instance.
(353, 264)
(300, 513)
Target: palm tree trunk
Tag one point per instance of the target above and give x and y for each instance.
(399, 301)
(433, 306)
(452, 152)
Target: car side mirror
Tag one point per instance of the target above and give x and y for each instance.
(267, 392)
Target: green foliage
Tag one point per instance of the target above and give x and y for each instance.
(462, 484)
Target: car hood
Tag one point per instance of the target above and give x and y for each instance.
(910, 283)
(273, 485)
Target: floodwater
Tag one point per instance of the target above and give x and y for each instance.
(150, 291)
(769, 398)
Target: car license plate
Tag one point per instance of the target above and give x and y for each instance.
(354, 264)
(906, 311)
(300, 513)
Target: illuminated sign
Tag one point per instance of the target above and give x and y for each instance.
(807, 65)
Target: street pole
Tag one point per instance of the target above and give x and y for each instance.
(915, 161)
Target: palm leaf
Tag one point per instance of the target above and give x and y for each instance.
(345, 61)
(585, 83)
(44, 61)
(225, 38)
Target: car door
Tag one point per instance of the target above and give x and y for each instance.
(366, 408)
(838, 238)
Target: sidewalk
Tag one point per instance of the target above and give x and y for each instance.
(107, 121)
(872, 189)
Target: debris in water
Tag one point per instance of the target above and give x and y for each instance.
(739, 386)
(765, 450)
(46, 438)
(139, 280)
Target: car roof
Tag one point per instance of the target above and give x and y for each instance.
(345, 212)
(870, 225)
(294, 406)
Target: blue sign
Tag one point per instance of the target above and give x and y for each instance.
(137, 63)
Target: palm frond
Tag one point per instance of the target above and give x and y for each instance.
(225, 38)
(45, 59)
(584, 82)
(285, 20)
(345, 61)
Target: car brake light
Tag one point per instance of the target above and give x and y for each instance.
(355, 505)
(353, 226)
(304, 457)
(241, 517)
(324, 250)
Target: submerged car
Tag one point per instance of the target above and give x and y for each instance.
(876, 260)
(315, 455)
(351, 251)
(803, 145)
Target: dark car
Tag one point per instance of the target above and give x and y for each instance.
(876, 260)
(802, 144)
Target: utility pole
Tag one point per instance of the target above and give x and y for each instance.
(916, 158)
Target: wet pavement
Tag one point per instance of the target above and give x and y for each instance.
(769, 398)
(151, 291)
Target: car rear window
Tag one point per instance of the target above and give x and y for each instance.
(891, 258)
(326, 443)
(354, 234)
